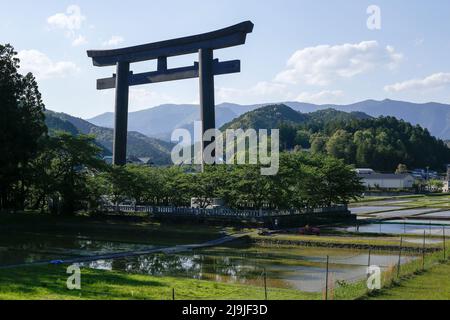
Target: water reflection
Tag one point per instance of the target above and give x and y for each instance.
(298, 268)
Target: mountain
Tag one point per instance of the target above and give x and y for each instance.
(139, 145)
(358, 139)
(433, 116)
(160, 121)
(268, 117)
(277, 115)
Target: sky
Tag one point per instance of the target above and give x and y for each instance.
(317, 51)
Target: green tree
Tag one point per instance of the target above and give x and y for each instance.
(341, 146)
(319, 143)
(21, 127)
(75, 158)
(401, 169)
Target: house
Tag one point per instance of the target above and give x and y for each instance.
(446, 187)
(372, 179)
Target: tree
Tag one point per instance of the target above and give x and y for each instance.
(21, 127)
(318, 143)
(340, 184)
(401, 169)
(75, 158)
(302, 138)
(341, 146)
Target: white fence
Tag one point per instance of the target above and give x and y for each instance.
(219, 212)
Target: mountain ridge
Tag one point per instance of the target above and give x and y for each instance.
(138, 145)
(160, 121)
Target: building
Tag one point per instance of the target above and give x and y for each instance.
(446, 187)
(374, 180)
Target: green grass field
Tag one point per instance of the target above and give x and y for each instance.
(49, 283)
(433, 284)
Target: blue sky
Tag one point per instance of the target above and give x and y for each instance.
(312, 51)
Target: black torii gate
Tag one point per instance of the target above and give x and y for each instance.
(205, 69)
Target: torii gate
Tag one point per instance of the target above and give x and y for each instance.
(205, 70)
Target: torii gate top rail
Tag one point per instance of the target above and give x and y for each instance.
(219, 39)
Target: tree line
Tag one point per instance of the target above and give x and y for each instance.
(381, 143)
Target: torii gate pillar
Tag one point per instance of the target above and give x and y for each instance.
(207, 103)
(121, 114)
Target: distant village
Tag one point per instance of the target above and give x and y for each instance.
(418, 181)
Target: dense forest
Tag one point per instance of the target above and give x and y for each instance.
(358, 139)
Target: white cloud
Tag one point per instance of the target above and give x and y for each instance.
(261, 91)
(323, 64)
(143, 97)
(79, 41)
(113, 41)
(322, 97)
(433, 81)
(70, 21)
(43, 67)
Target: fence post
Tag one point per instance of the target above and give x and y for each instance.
(443, 235)
(265, 283)
(423, 250)
(326, 279)
(370, 256)
(399, 257)
(173, 294)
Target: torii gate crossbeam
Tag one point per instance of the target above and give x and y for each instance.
(205, 69)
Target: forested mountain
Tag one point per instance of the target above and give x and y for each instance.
(139, 145)
(268, 117)
(274, 116)
(379, 143)
(160, 121)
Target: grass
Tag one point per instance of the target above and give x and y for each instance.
(416, 201)
(49, 283)
(433, 284)
(411, 283)
(392, 241)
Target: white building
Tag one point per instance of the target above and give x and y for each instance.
(446, 188)
(371, 179)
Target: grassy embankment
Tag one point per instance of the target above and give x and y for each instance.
(416, 280)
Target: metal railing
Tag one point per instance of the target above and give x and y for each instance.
(219, 212)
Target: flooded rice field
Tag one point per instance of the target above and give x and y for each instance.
(286, 267)
(409, 227)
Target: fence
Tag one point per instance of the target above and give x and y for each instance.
(219, 212)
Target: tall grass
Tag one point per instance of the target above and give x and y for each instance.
(391, 276)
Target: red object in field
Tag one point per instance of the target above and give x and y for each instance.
(309, 231)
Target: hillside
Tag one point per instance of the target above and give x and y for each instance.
(433, 116)
(160, 121)
(275, 116)
(358, 139)
(139, 145)
(268, 117)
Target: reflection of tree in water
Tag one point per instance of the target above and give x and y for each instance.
(198, 266)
